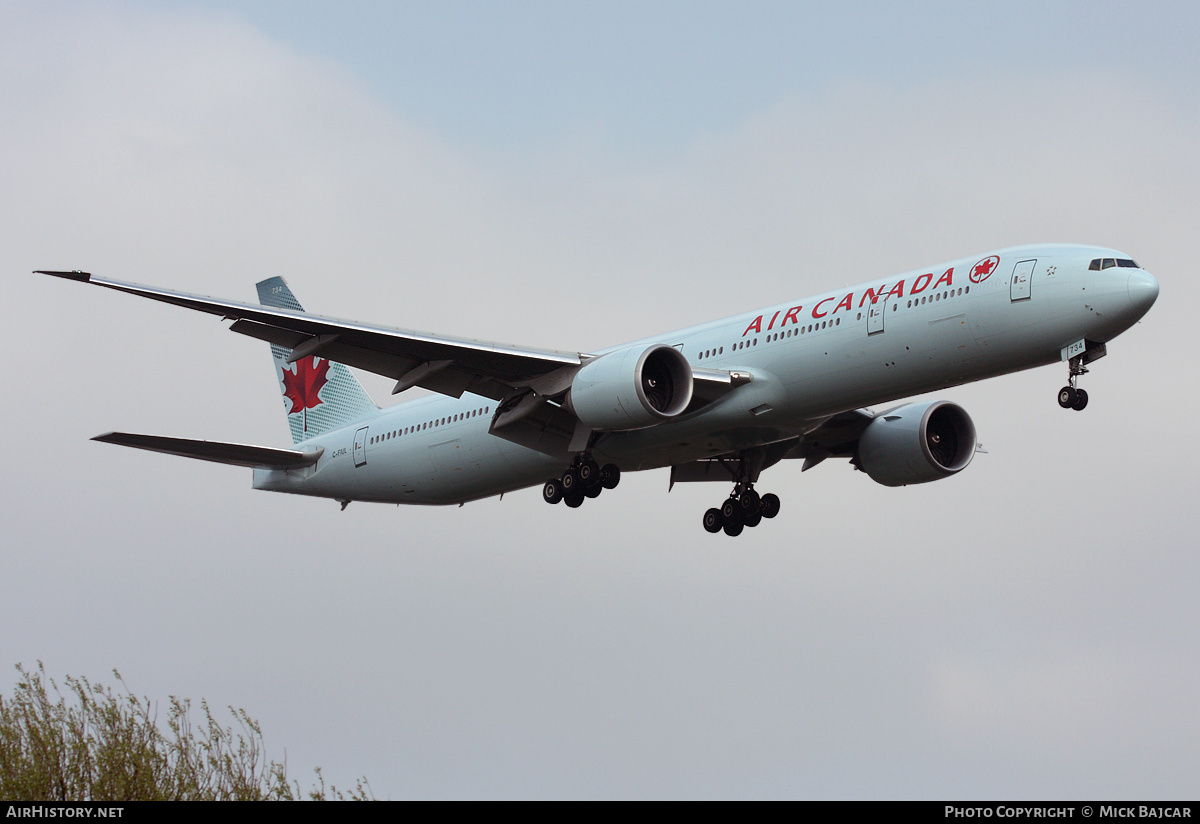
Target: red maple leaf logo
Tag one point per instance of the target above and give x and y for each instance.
(983, 269)
(301, 387)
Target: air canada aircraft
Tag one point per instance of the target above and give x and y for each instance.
(722, 401)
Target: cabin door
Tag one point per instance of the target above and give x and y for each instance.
(875, 314)
(1021, 279)
(360, 446)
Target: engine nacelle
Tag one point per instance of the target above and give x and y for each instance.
(632, 388)
(917, 443)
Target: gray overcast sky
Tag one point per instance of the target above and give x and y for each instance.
(571, 176)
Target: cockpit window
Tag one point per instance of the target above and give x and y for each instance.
(1107, 263)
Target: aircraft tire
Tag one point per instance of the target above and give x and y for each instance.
(610, 476)
(753, 519)
(573, 501)
(731, 511)
(569, 481)
(713, 521)
(1081, 399)
(593, 491)
(770, 505)
(589, 473)
(552, 492)
(1066, 397)
(749, 501)
(734, 529)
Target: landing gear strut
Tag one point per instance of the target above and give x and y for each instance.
(1071, 396)
(584, 479)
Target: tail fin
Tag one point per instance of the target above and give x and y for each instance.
(319, 395)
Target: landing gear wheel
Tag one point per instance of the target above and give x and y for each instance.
(770, 505)
(610, 476)
(574, 501)
(552, 492)
(593, 491)
(731, 510)
(570, 482)
(588, 472)
(749, 501)
(1081, 400)
(734, 529)
(1067, 396)
(753, 519)
(713, 521)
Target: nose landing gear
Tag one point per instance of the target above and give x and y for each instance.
(1071, 396)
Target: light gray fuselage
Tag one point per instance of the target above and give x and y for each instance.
(849, 348)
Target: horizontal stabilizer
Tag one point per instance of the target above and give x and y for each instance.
(235, 454)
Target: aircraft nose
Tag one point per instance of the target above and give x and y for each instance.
(1143, 290)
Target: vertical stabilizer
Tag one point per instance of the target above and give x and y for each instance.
(318, 394)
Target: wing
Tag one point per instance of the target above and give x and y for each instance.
(446, 365)
(834, 437)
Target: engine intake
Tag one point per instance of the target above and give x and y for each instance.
(632, 388)
(917, 443)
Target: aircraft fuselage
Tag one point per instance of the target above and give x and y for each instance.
(931, 328)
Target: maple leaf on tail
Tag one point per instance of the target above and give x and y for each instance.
(301, 387)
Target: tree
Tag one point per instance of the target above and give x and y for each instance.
(94, 744)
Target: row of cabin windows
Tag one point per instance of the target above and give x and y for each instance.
(1107, 263)
(939, 296)
(829, 324)
(436, 422)
(804, 330)
(796, 330)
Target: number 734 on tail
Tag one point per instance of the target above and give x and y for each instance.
(722, 401)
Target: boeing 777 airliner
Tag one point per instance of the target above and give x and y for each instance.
(722, 401)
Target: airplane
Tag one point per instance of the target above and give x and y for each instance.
(718, 402)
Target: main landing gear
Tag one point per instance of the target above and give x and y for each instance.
(1071, 396)
(585, 479)
(743, 508)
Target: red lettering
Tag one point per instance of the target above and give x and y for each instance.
(870, 293)
(897, 290)
(947, 278)
(817, 314)
(771, 325)
(756, 325)
(791, 313)
(918, 286)
(847, 303)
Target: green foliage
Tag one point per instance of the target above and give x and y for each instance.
(96, 745)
